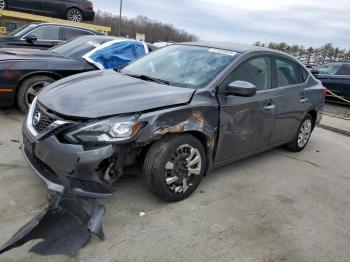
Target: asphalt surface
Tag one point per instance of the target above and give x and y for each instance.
(337, 110)
(276, 206)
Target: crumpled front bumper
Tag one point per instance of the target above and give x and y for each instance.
(66, 166)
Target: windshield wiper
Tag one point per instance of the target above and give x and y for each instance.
(149, 78)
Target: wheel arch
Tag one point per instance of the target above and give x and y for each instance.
(313, 114)
(33, 74)
(203, 139)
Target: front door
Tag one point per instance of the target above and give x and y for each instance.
(47, 36)
(246, 123)
(32, 6)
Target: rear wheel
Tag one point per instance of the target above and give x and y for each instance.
(74, 15)
(3, 4)
(29, 89)
(174, 166)
(302, 136)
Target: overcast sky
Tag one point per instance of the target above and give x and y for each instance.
(306, 22)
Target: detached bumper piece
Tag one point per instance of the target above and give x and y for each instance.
(65, 226)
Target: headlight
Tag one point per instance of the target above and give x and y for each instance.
(111, 130)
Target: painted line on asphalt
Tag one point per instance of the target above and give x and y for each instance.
(334, 129)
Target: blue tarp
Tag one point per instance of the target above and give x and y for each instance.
(116, 53)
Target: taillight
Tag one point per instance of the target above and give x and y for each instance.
(324, 91)
(91, 6)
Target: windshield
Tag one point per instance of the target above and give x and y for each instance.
(329, 69)
(182, 65)
(22, 30)
(78, 47)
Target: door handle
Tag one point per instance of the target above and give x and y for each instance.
(304, 100)
(270, 107)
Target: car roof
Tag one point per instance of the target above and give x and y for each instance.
(235, 47)
(68, 25)
(336, 62)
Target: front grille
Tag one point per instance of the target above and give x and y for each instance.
(41, 120)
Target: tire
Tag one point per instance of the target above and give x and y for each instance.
(157, 171)
(301, 139)
(75, 15)
(29, 89)
(3, 5)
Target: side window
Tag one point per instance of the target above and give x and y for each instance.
(49, 32)
(344, 70)
(304, 74)
(69, 33)
(287, 73)
(256, 71)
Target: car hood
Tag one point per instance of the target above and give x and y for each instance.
(26, 54)
(105, 93)
(7, 38)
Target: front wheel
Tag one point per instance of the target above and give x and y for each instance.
(74, 15)
(174, 166)
(302, 136)
(3, 4)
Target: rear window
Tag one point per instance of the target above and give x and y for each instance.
(344, 70)
(80, 46)
(69, 33)
(287, 72)
(304, 74)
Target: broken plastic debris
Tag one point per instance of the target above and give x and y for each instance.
(65, 226)
(142, 214)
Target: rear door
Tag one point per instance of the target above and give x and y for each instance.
(55, 7)
(246, 123)
(290, 97)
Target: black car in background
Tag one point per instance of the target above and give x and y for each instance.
(335, 77)
(73, 10)
(24, 72)
(43, 35)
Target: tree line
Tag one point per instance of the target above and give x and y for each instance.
(311, 55)
(154, 31)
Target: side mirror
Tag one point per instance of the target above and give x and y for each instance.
(31, 38)
(241, 88)
(314, 71)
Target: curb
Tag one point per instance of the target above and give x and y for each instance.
(334, 129)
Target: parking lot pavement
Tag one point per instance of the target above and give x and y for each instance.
(277, 206)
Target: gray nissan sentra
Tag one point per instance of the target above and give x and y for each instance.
(174, 115)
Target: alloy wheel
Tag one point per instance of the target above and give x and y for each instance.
(304, 133)
(33, 90)
(182, 168)
(75, 15)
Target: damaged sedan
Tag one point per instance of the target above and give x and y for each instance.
(172, 116)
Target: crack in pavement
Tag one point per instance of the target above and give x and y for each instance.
(9, 166)
(302, 160)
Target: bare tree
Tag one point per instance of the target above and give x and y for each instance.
(311, 55)
(154, 30)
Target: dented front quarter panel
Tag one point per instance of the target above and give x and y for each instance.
(201, 116)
